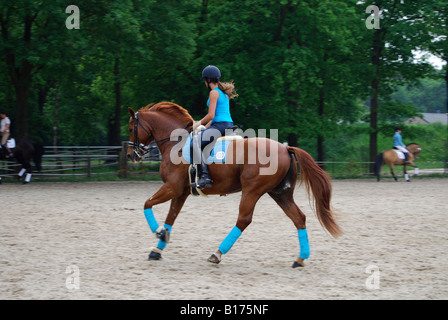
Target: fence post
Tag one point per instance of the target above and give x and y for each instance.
(88, 166)
(123, 160)
(74, 160)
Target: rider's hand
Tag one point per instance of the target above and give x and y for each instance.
(196, 124)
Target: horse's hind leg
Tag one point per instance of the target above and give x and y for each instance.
(286, 201)
(247, 205)
(391, 166)
(26, 168)
(405, 173)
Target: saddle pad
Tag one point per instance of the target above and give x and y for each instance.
(399, 154)
(11, 143)
(219, 152)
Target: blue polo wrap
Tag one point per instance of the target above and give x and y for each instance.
(162, 244)
(230, 240)
(151, 219)
(304, 244)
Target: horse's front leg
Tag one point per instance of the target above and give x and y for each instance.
(165, 193)
(406, 175)
(416, 170)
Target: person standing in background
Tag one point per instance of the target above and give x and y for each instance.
(5, 124)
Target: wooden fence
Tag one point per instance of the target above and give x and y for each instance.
(90, 161)
(80, 161)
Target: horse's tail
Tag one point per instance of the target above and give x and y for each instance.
(317, 180)
(378, 163)
(39, 151)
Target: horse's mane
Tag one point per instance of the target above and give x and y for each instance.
(411, 144)
(171, 109)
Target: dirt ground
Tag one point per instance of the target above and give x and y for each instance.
(91, 241)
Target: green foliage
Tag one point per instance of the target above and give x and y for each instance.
(303, 67)
(428, 96)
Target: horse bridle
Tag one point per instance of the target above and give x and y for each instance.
(141, 149)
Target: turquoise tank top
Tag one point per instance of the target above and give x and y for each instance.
(397, 140)
(222, 112)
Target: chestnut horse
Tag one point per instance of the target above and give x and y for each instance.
(242, 171)
(390, 157)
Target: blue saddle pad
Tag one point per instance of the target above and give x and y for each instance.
(218, 154)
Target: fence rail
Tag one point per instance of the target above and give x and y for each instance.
(89, 161)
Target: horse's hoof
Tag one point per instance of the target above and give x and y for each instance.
(299, 263)
(214, 258)
(155, 254)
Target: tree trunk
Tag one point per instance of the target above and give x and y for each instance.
(320, 113)
(446, 142)
(114, 136)
(22, 113)
(56, 127)
(56, 120)
(378, 45)
(117, 124)
(21, 75)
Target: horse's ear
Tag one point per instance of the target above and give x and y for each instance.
(131, 112)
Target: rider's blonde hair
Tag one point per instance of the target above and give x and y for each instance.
(228, 88)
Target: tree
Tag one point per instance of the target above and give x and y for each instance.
(438, 24)
(292, 62)
(402, 30)
(26, 40)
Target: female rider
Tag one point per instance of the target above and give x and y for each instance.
(217, 120)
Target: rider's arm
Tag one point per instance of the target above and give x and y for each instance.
(214, 95)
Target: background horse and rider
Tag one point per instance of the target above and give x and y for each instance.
(24, 151)
(391, 158)
(237, 174)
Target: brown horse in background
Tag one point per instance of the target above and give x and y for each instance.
(159, 123)
(391, 158)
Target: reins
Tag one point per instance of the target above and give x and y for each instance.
(139, 148)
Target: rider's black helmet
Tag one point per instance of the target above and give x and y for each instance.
(211, 72)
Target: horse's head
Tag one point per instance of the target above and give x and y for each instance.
(415, 149)
(140, 137)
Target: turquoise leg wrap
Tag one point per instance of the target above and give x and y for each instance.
(162, 244)
(230, 240)
(304, 245)
(151, 220)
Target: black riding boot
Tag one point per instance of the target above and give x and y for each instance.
(205, 180)
(406, 158)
